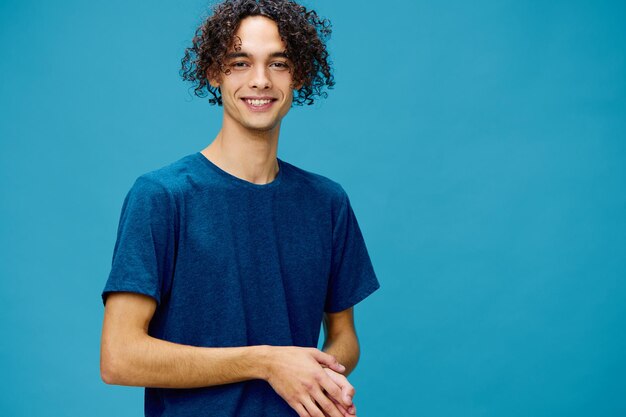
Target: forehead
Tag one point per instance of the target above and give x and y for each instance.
(258, 34)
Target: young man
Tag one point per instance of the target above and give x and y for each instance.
(228, 260)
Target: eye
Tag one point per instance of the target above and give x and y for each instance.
(280, 65)
(239, 65)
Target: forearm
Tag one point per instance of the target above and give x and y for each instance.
(345, 347)
(150, 362)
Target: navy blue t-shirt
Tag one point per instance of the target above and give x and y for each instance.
(233, 263)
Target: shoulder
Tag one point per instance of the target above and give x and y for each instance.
(318, 184)
(166, 181)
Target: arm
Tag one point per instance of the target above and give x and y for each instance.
(341, 342)
(129, 356)
(340, 338)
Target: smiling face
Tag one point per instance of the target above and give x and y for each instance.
(257, 91)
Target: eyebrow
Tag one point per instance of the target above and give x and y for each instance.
(247, 55)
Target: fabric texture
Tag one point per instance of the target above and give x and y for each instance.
(233, 263)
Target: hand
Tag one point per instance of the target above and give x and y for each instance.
(296, 374)
(347, 391)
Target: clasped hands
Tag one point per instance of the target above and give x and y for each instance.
(310, 381)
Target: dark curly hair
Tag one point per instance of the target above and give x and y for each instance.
(302, 30)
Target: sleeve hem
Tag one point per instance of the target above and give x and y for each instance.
(354, 300)
(108, 291)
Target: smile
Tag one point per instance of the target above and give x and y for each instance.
(258, 104)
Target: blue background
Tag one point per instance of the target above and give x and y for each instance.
(483, 145)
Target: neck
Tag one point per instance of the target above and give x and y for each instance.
(245, 153)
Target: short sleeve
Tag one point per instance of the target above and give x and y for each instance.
(352, 276)
(144, 252)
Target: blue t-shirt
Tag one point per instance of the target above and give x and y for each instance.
(233, 263)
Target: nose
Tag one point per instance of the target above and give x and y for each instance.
(260, 78)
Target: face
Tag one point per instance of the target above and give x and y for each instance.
(257, 92)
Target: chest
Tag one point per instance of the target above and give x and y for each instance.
(258, 240)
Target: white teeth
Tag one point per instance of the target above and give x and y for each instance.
(257, 102)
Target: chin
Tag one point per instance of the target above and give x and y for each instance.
(261, 128)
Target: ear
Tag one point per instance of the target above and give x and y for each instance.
(213, 82)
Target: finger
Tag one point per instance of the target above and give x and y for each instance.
(312, 408)
(333, 390)
(350, 411)
(345, 411)
(327, 405)
(343, 382)
(347, 390)
(300, 410)
(328, 360)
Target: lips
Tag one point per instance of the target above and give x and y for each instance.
(258, 103)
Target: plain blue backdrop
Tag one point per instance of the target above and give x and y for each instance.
(483, 145)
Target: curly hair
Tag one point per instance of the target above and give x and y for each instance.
(303, 31)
